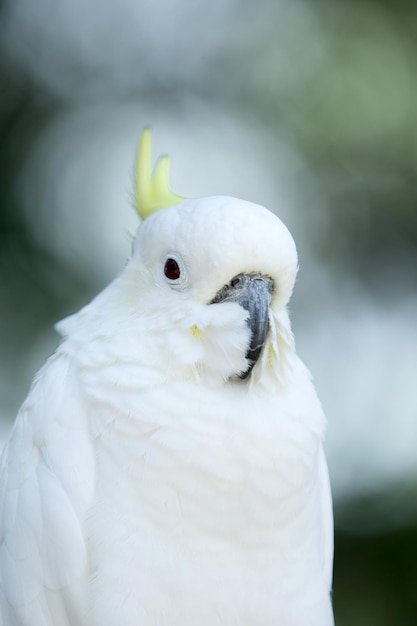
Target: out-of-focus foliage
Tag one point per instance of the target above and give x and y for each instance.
(309, 107)
(375, 578)
(342, 83)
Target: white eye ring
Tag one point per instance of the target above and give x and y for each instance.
(174, 270)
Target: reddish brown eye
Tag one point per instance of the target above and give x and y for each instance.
(172, 269)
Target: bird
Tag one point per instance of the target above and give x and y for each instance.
(167, 466)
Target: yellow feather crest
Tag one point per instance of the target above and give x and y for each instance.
(152, 190)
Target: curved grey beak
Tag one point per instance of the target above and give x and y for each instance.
(253, 292)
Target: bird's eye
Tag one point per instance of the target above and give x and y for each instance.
(172, 269)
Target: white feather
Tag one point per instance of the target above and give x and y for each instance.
(144, 483)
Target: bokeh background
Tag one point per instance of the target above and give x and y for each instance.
(307, 107)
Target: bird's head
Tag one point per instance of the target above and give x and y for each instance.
(225, 265)
(208, 283)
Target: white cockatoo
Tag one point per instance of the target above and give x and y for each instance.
(167, 468)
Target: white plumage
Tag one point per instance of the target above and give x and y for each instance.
(146, 483)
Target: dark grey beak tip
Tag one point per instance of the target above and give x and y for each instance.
(244, 375)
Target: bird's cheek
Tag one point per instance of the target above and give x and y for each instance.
(223, 335)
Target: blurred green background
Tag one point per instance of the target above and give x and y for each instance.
(307, 107)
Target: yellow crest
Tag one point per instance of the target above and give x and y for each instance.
(152, 191)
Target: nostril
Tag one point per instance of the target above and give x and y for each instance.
(235, 281)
